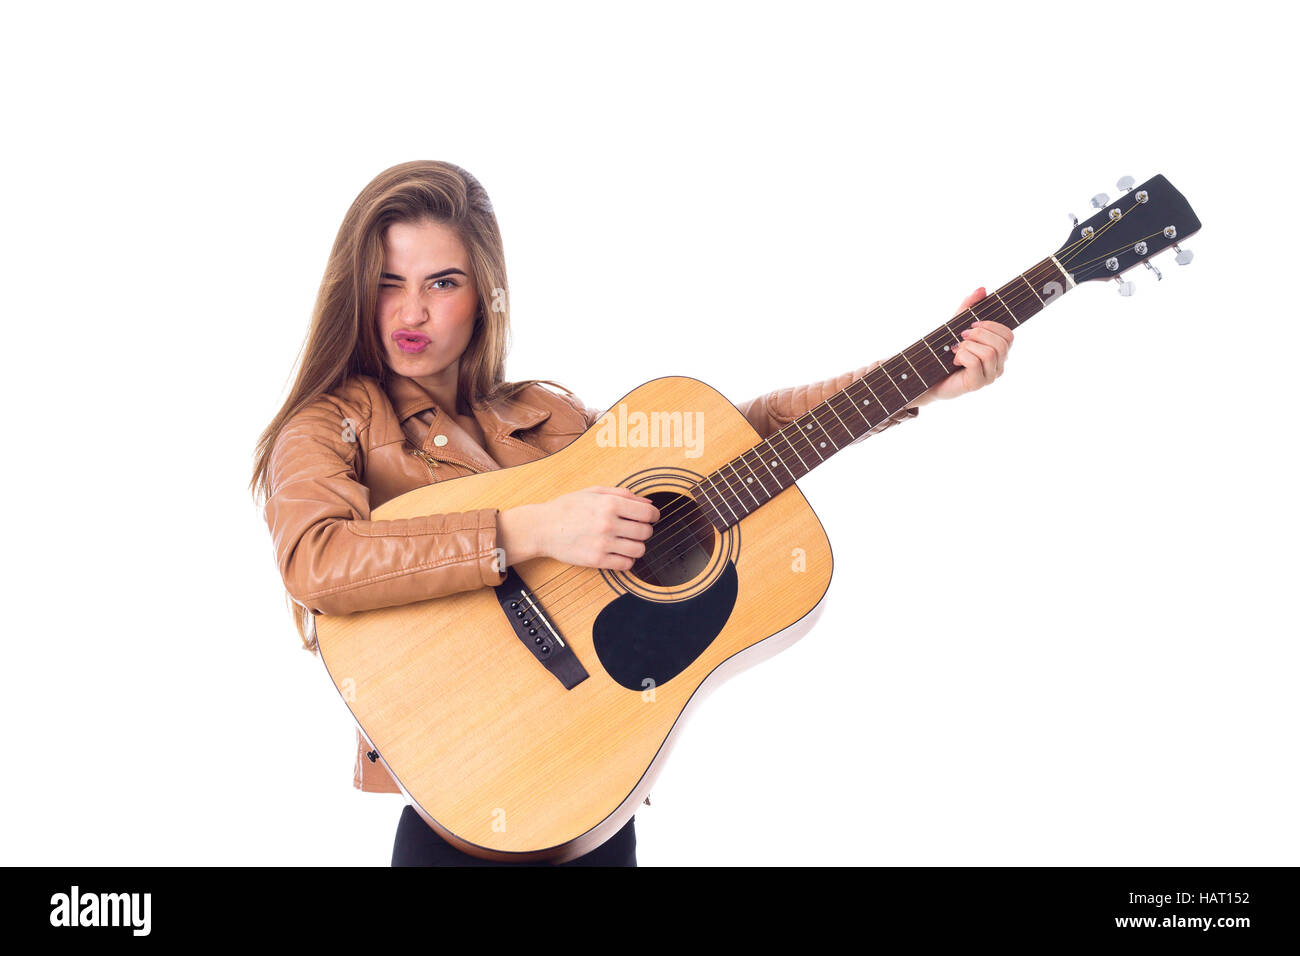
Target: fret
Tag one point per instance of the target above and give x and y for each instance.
(918, 374)
(866, 381)
(1030, 286)
(756, 481)
(825, 426)
(730, 499)
(803, 433)
(858, 402)
(937, 358)
(830, 404)
(946, 340)
(720, 497)
(823, 445)
(743, 484)
(988, 310)
(761, 473)
(790, 445)
(1005, 306)
(1021, 299)
(928, 364)
(705, 502)
(1050, 279)
(884, 367)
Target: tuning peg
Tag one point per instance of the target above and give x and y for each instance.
(1074, 220)
(1125, 183)
(1153, 269)
(1100, 200)
(1125, 288)
(1182, 256)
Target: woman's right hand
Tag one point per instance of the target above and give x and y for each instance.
(596, 527)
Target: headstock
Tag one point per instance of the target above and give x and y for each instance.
(1143, 222)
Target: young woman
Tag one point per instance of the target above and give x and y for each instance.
(402, 383)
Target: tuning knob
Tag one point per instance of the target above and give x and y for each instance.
(1125, 288)
(1182, 256)
(1125, 183)
(1100, 200)
(1074, 220)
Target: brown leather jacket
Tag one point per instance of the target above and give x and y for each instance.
(363, 444)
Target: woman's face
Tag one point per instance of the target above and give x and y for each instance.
(427, 300)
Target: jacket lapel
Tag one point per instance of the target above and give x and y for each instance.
(499, 419)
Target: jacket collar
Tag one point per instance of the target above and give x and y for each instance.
(498, 418)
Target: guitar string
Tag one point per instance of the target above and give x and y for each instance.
(679, 506)
(1107, 255)
(548, 588)
(1067, 254)
(668, 547)
(596, 580)
(583, 584)
(837, 403)
(684, 505)
(688, 505)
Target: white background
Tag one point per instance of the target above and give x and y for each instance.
(1062, 626)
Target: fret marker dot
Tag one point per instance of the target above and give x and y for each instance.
(809, 427)
(773, 464)
(823, 444)
(749, 481)
(904, 375)
(866, 401)
(945, 348)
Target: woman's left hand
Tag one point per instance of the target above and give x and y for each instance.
(981, 355)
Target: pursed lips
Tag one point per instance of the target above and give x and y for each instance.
(414, 337)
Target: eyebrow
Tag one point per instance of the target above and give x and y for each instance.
(431, 275)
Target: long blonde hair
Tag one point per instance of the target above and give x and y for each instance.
(343, 341)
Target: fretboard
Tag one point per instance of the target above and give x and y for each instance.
(754, 478)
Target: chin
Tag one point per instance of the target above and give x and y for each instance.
(416, 366)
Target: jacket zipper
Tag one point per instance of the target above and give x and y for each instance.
(428, 461)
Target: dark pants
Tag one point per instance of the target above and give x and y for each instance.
(416, 844)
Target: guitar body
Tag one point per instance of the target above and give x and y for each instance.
(491, 748)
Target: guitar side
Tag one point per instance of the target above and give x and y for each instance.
(489, 747)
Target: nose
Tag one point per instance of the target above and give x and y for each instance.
(411, 309)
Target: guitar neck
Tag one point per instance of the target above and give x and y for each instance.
(749, 481)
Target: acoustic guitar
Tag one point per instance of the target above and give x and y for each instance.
(527, 722)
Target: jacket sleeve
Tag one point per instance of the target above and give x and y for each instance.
(332, 557)
(770, 412)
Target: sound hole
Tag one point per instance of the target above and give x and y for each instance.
(681, 545)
